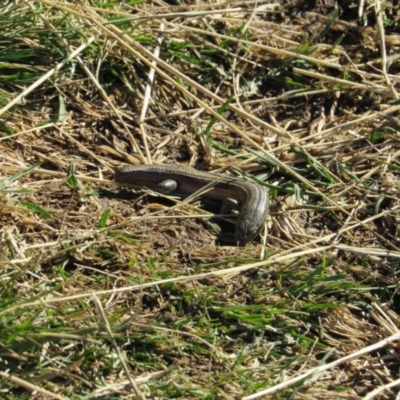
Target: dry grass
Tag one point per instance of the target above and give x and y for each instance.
(107, 293)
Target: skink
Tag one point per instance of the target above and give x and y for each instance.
(184, 181)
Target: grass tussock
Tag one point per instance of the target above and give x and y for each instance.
(109, 293)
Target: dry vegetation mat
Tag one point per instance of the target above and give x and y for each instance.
(114, 293)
